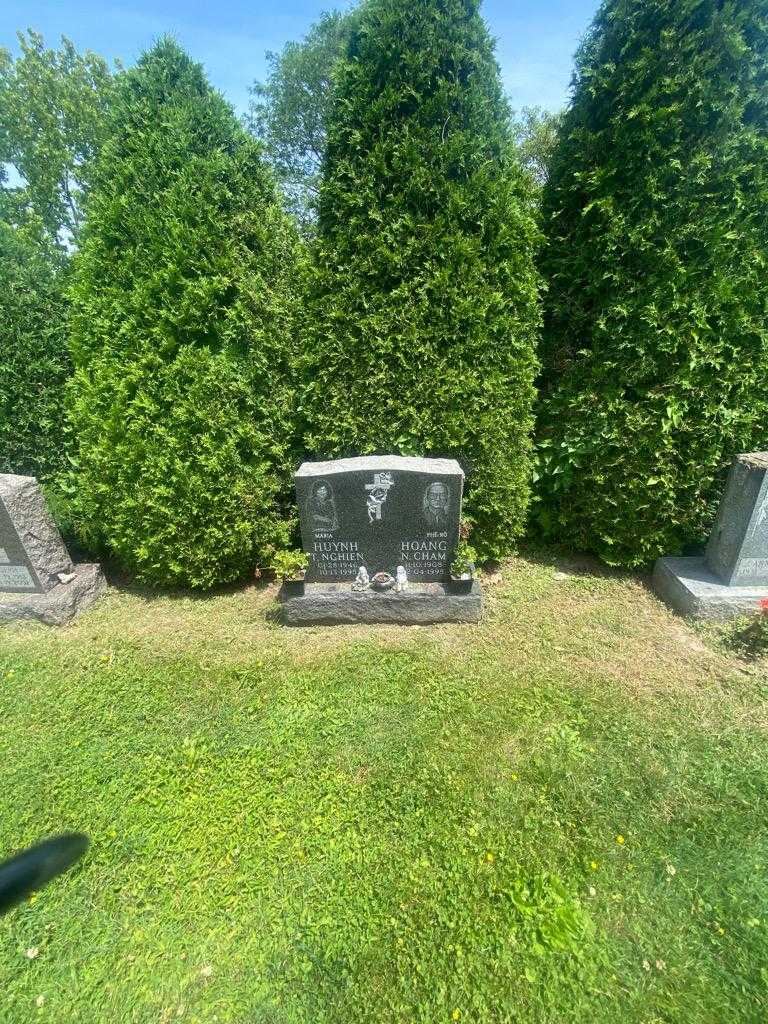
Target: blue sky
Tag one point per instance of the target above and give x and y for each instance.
(536, 38)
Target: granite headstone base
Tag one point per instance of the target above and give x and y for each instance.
(336, 604)
(60, 604)
(689, 587)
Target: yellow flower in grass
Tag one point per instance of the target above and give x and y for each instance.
(456, 1014)
(620, 840)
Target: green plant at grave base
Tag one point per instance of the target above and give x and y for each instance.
(464, 559)
(424, 311)
(655, 349)
(289, 565)
(182, 402)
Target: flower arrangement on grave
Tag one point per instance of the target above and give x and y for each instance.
(466, 526)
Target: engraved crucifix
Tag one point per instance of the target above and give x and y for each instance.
(377, 494)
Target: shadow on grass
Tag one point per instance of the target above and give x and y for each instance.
(747, 637)
(121, 581)
(575, 563)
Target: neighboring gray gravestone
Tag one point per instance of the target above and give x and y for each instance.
(37, 577)
(738, 548)
(32, 553)
(732, 578)
(380, 511)
(690, 588)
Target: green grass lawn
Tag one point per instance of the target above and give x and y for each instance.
(559, 815)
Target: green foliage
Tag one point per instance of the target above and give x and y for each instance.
(656, 325)
(181, 331)
(52, 111)
(289, 565)
(288, 112)
(53, 106)
(464, 559)
(536, 133)
(424, 304)
(34, 361)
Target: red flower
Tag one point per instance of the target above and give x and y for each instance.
(764, 604)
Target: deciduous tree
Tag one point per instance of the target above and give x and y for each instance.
(53, 106)
(289, 110)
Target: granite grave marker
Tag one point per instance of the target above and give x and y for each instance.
(732, 577)
(37, 577)
(381, 512)
(396, 516)
(738, 548)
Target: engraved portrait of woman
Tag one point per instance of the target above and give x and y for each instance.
(321, 506)
(435, 505)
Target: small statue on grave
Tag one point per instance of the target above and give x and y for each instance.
(362, 580)
(401, 579)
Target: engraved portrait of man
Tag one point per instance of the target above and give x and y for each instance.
(435, 505)
(321, 506)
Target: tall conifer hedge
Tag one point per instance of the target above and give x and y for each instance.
(425, 310)
(181, 335)
(34, 360)
(656, 324)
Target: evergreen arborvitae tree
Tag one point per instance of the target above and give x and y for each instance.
(181, 403)
(34, 359)
(656, 323)
(424, 310)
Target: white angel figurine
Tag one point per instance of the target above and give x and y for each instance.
(362, 580)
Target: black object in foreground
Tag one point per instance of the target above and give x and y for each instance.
(34, 868)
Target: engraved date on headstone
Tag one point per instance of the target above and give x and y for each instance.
(16, 576)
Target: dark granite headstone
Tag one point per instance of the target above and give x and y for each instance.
(32, 554)
(738, 548)
(380, 511)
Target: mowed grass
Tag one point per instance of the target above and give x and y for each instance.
(557, 815)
